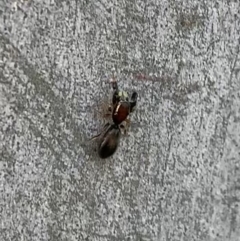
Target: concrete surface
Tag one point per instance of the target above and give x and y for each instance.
(175, 175)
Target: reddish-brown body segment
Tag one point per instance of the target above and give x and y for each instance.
(121, 112)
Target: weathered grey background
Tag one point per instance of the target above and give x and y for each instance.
(175, 176)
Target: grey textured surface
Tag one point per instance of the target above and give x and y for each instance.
(175, 175)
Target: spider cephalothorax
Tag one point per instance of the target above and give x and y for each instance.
(122, 107)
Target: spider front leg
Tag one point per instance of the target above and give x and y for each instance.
(115, 97)
(113, 81)
(133, 101)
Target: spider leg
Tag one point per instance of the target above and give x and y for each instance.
(133, 101)
(125, 126)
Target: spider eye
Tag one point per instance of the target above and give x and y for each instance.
(125, 94)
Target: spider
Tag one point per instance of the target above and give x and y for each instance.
(121, 107)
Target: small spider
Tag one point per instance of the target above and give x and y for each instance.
(121, 107)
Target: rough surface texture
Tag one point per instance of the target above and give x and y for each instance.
(175, 176)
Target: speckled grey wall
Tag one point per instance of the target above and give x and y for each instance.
(176, 173)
